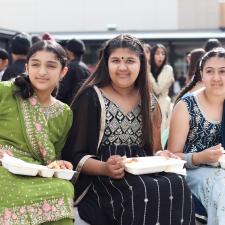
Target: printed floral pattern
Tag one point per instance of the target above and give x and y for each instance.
(37, 130)
(32, 200)
(13, 149)
(38, 213)
(207, 183)
(203, 133)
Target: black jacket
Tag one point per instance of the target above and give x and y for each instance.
(15, 69)
(77, 73)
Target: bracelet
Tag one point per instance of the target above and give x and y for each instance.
(158, 152)
(189, 163)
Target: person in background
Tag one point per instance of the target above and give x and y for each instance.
(147, 48)
(4, 61)
(20, 46)
(187, 58)
(212, 43)
(47, 37)
(77, 71)
(195, 57)
(194, 75)
(117, 116)
(162, 78)
(34, 127)
(197, 130)
(194, 83)
(35, 39)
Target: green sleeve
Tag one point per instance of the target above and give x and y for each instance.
(67, 125)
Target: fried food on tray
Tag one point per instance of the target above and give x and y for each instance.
(54, 165)
(131, 160)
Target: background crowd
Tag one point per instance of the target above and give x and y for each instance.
(131, 105)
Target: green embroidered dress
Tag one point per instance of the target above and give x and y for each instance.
(34, 134)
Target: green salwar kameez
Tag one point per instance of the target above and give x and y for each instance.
(34, 134)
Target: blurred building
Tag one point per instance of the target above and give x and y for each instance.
(5, 36)
(101, 15)
(181, 25)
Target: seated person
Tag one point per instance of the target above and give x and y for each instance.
(195, 135)
(19, 49)
(34, 127)
(4, 61)
(116, 116)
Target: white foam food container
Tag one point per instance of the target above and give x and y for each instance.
(20, 167)
(8, 160)
(153, 164)
(222, 161)
(64, 173)
(44, 171)
(25, 169)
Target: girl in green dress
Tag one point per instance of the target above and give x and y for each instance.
(34, 127)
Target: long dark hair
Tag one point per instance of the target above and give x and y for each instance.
(195, 79)
(216, 52)
(155, 70)
(25, 88)
(194, 74)
(195, 57)
(101, 78)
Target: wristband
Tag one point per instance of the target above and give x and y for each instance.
(189, 163)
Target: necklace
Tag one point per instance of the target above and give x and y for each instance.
(45, 110)
(48, 110)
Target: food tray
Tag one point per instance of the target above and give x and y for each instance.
(64, 174)
(154, 164)
(21, 167)
(222, 161)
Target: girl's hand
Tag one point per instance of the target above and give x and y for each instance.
(60, 164)
(209, 155)
(167, 154)
(2, 152)
(115, 167)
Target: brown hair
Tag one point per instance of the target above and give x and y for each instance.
(101, 78)
(195, 57)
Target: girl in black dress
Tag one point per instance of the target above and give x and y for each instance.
(116, 115)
